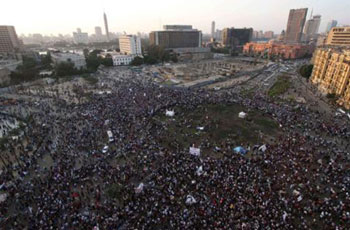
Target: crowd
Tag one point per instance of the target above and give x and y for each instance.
(302, 181)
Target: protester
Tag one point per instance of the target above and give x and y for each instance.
(64, 181)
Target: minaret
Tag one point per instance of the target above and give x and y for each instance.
(106, 25)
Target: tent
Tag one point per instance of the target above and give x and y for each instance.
(195, 151)
(139, 189)
(169, 113)
(263, 148)
(200, 171)
(190, 200)
(240, 150)
(242, 115)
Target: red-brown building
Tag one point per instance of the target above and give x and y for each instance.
(285, 51)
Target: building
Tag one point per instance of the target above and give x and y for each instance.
(330, 25)
(269, 34)
(331, 73)
(176, 36)
(77, 59)
(98, 31)
(119, 60)
(339, 36)
(130, 45)
(9, 42)
(236, 37)
(218, 35)
(311, 28)
(278, 50)
(193, 54)
(80, 37)
(177, 27)
(295, 25)
(213, 29)
(106, 26)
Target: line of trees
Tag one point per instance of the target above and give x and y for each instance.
(154, 55)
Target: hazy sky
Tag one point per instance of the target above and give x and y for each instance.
(64, 16)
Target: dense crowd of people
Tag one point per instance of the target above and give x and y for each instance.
(61, 179)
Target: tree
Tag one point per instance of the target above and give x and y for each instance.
(65, 69)
(150, 60)
(107, 61)
(137, 61)
(174, 58)
(28, 71)
(306, 71)
(46, 60)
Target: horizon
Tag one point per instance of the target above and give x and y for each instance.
(154, 14)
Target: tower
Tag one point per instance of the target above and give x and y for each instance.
(213, 29)
(106, 25)
(295, 25)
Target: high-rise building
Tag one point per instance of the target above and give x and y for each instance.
(176, 36)
(331, 73)
(269, 34)
(80, 37)
(339, 36)
(236, 37)
(330, 25)
(130, 45)
(295, 25)
(98, 31)
(312, 26)
(213, 29)
(9, 43)
(106, 26)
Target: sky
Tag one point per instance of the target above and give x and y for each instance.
(132, 16)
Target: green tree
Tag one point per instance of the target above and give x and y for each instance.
(28, 71)
(137, 61)
(46, 60)
(66, 69)
(306, 71)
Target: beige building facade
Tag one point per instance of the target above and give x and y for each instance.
(331, 73)
(9, 42)
(339, 36)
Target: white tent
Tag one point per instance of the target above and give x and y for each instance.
(242, 115)
(3, 197)
(139, 189)
(262, 148)
(199, 171)
(169, 113)
(195, 151)
(190, 200)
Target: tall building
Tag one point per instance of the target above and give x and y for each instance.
(213, 29)
(9, 43)
(80, 37)
(295, 25)
(268, 34)
(98, 31)
(176, 36)
(106, 26)
(339, 36)
(236, 37)
(312, 26)
(330, 25)
(331, 73)
(130, 45)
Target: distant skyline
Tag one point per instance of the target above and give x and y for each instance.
(63, 17)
